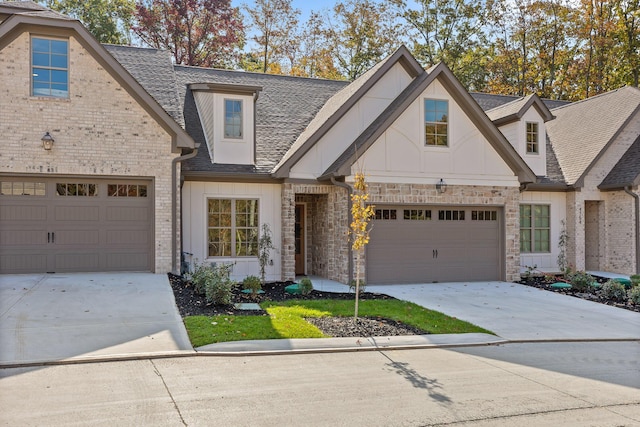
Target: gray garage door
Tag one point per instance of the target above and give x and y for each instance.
(67, 224)
(426, 244)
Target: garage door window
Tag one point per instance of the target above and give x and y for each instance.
(20, 188)
(534, 228)
(386, 214)
(417, 215)
(76, 189)
(451, 215)
(232, 227)
(127, 190)
(484, 215)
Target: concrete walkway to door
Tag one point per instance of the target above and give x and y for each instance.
(53, 317)
(518, 312)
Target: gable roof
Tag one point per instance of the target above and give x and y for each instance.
(514, 110)
(23, 18)
(488, 101)
(283, 110)
(340, 103)
(29, 8)
(342, 166)
(626, 172)
(583, 130)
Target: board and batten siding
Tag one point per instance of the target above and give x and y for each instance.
(194, 222)
(400, 154)
(352, 124)
(558, 210)
(515, 133)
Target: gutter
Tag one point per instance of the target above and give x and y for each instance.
(174, 205)
(349, 191)
(627, 190)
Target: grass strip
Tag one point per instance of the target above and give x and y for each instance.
(286, 320)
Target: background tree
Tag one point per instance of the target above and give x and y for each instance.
(275, 22)
(206, 33)
(362, 32)
(449, 31)
(108, 20)
(315, 58)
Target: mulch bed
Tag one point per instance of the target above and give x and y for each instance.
(544, 282)
(191, 304)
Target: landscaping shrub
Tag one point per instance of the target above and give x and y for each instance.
(634, 295)
(214, 281)
(581, 281)
(614, 290)
(635, 280)
(305, 286)
(253, 283)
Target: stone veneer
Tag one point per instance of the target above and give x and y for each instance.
(100, 130)
(330, 217)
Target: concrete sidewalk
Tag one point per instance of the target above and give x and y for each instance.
(53, 317)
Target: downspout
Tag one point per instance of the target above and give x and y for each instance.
(349, 192)
(637, 220)
(174, 205)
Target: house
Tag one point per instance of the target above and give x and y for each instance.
(465, 186)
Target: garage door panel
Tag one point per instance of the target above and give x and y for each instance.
(77, 261)
(128, 214)
(90, 238)
(77, 213)
(24, 213)
(126, 260)
(22, 238)
(128, 238)
(23, 263)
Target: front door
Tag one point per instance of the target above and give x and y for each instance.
(300, 240)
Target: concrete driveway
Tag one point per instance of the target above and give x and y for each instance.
(51, 317)
(518, 312)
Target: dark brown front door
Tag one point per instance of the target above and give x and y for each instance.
(300, 239)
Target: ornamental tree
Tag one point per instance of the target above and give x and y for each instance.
(361, 213)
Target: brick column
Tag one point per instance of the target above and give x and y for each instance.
(288, 232)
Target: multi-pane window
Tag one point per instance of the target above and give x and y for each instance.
(484, 215)
(532, 138)
(232, 227)
(127, 190)
(232, 118)
(76, 189)
(417, 214)
(49, 67)
(22, 188)
(535, 228)
(436, 122)
(450, 215)
(386, 214)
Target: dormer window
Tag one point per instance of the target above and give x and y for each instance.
(532, 138)
(233, 118)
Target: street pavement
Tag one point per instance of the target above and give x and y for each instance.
(532, 384)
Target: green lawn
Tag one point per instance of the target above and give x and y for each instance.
(286, 320)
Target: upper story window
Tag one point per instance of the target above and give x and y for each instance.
(436, 122)
(49, 67)
(532, 138)
(233, 118)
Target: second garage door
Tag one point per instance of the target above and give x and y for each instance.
(67, 224)
(429, 244)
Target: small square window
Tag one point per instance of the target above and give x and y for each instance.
(49, 67)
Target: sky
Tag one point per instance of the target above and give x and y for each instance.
(305, 6)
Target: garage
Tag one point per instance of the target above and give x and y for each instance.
(67, 224)
(427, 244)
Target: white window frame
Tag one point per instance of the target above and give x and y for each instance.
(534, 133)
(240, 116)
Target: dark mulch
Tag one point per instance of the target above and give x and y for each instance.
(545, 282)
(191, 304)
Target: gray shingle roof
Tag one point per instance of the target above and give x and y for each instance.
(153, 69)
(489, 101)
(582, 130)
(627, 171)
(30, 8)
(284, 109)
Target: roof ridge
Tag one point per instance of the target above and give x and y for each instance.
(600, 95)
(255, 73)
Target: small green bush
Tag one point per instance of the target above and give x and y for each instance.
(581, 281)
(635, 280)
(305, 286)
(614, 290)
(214, 282)
(634, 295)
(352, 286)
(253, 283)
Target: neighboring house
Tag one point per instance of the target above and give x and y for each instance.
(465, 186)
(102, 197)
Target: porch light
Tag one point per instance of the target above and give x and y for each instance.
(441, 186)
(47, 141)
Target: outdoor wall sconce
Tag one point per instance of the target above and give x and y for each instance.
(441, 186)
(47, 141)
